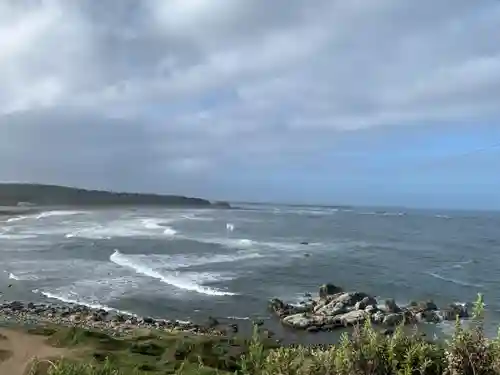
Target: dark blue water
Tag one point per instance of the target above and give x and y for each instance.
(189, 264)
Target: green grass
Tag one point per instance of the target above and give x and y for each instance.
(365, 352)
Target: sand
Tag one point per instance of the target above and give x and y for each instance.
(18, 349)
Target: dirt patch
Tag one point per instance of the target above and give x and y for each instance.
(21, 348)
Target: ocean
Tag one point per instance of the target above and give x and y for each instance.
(190, 264)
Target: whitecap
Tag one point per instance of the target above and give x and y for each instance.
(169, 231)
(454, 281)
(175, 280)
(17, 218)
(58, 213)
(229, 227)
(74, 299)
(17, 236)
(14, 277)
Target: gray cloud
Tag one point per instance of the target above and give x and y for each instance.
(171, 94)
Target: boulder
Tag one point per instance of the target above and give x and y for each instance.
(352, 317)
(365, 302)
(332, 309)
(212, 322)
(455, 310)
(328, 289)
(422, 306)
(301, 321)
(391, 306)
(428, 316)
(393, 319)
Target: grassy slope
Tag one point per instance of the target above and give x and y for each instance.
(147, 351)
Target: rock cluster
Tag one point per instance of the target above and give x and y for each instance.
(334, 308)
(112, 322)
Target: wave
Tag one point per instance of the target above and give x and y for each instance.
(442, 217)
(171, 279)
(245, 243)
(17, 236)
(126, 228)
(180, 261)
(14, 277)
(77, 301)
(169, 231)
(454, 281)
(376, 213)
(17, 218)
(230, 227)
(238, 317)
(58, 213)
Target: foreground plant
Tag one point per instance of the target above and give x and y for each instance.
(365, 352)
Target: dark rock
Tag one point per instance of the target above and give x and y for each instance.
(393, 319)
(212, 322)
(258, 322)
(391, 306)
(313, 329)
(388, 332)
(365, 302)
(328, 290)
(148, 320)
(455, 310)
(233, 327)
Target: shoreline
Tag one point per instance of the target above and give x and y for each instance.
(113, 322)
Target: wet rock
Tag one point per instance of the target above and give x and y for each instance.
(391, 306)
(328, 289)
(455, 310)
(365, 302)
(212, 322)
(393, 319)
(387, 332)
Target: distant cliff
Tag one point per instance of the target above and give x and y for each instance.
(53, 195)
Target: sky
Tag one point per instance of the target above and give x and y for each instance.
(380, 102)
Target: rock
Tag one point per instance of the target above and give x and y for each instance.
(300, 321)
(332, 309)
(258, 322)
(388, 332)
(455, 310)
(233, 327)
(212, 322)
(313, 329)
(148, 320)
(341, 303)
(328, 289)
(378, 317)
(391, 306)
(393, 319)
(365, 302)
(352, 317)
(422, 306)
(76, 318)
(428, 316)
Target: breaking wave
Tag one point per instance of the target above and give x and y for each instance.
(57, 213)
(178, 281)
(73, 299)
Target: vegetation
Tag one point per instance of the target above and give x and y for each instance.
(37, 194)
(366, 351)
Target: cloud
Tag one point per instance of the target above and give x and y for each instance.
(195, 88)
